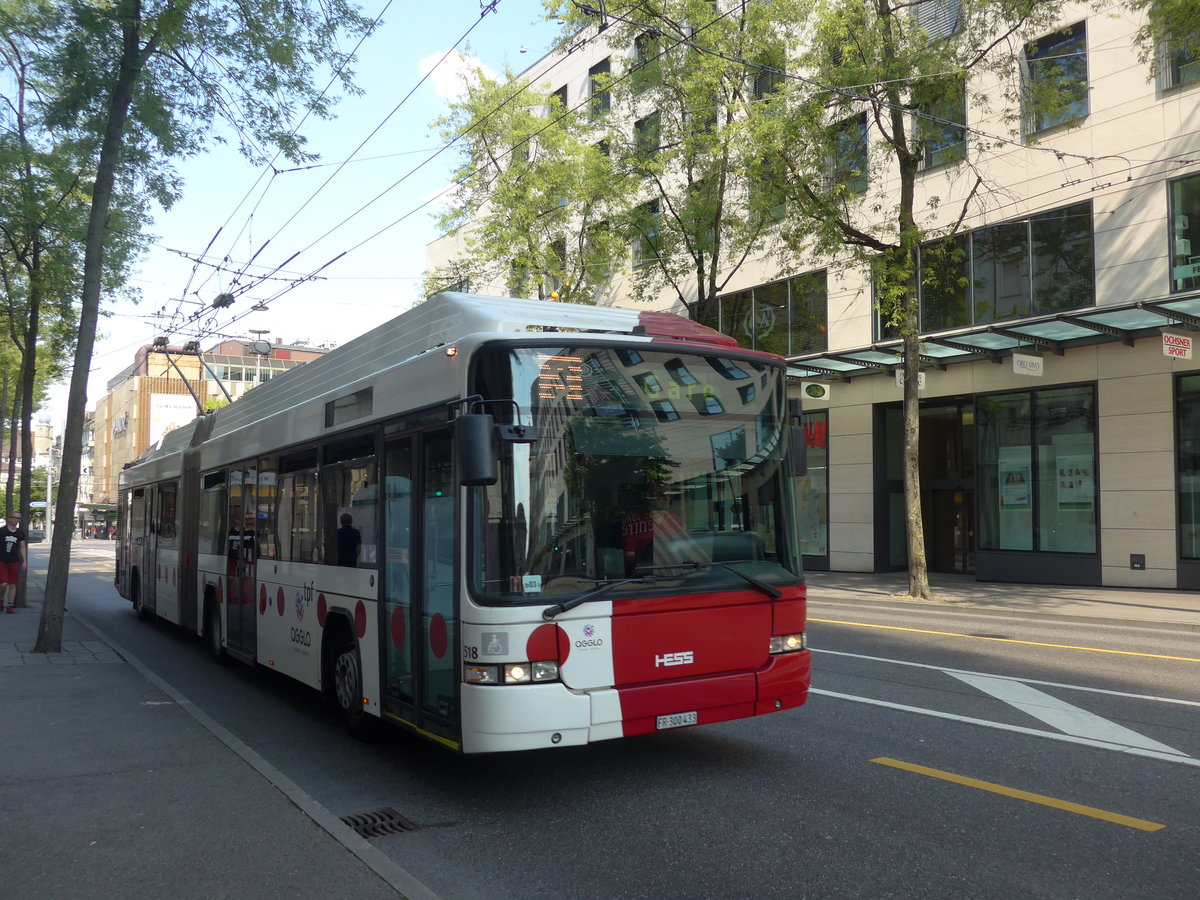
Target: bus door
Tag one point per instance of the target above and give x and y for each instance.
(141, 548)
(241, 553)
(421, 630)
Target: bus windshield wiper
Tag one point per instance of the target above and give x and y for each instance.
(757, 583)
(602, 587)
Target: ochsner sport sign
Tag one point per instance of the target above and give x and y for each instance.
(1178, 346)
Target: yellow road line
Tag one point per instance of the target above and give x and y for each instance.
(1066, 805)
(979, 637)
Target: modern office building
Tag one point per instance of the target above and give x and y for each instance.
(168, 386)
(1060, 390)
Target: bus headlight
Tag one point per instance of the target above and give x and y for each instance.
(530, 673)
(787, 643)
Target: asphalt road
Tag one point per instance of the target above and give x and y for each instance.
(942, 754)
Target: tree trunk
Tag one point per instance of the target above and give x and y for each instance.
(918, 573)
(49, 639)
(28, 379)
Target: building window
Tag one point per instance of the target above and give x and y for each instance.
(942, 127)
(645, 72)
(1185, 233)
(599, 97)
(1057, 78)
(1037, 470)
(1182, 67)
(561, 96)
(646, 244)
(939, 18)
(848, 163)
(1187, 420)
(645, 140)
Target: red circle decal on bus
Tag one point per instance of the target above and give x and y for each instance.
(548, 642)
(279, 600)
(398, 628)
(322, 610)
(438, 636)
(360, 619)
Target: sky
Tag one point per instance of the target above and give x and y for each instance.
(368, 209)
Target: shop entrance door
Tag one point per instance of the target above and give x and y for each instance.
(950, 530)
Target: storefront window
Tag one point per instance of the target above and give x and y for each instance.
(1066, 438)
(1043, 500)
(812, 489)
(1188, 423)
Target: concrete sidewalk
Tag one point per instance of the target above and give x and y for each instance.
(113, 787)
(1174, 610)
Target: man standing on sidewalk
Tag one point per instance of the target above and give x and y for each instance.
(12, 560)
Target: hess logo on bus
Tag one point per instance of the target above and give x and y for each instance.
(681, 658)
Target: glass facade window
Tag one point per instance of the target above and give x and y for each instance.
(1187, 420)
(1043, 264)
(784, 317)
(1185, 233)
(1037, 470)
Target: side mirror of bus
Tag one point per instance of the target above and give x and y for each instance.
(799, 452)
(475, 445)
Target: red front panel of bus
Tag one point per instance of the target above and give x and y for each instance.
(707, 655)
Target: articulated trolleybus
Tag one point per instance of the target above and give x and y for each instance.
(503, 524)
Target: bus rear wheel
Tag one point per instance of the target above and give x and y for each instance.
(212, 632)
(348, 691)
(135, 597)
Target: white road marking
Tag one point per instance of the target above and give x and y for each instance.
(1054, 684)
(1060, 714)
(1001, 726)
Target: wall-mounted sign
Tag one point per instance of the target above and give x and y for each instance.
(1178, 346)
(1028, 364)
(900, 379)
(814, 390)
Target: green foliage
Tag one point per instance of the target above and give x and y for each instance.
(541, 196)
(1176, 22)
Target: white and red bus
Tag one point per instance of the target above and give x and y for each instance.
(503, 524)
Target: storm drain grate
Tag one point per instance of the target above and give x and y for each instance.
(378, 822)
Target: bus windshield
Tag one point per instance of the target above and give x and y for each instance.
(646, 462)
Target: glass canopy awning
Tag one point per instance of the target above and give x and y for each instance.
(1055, 334)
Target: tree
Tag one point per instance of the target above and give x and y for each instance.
(1170, 25)
(538, 204)
(137, 84)
(707, 195)
(884, 94)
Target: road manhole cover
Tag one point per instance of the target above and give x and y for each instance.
(378, 822)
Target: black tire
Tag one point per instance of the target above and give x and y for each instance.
(347, 691)
(212, 631)
(135, 597)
